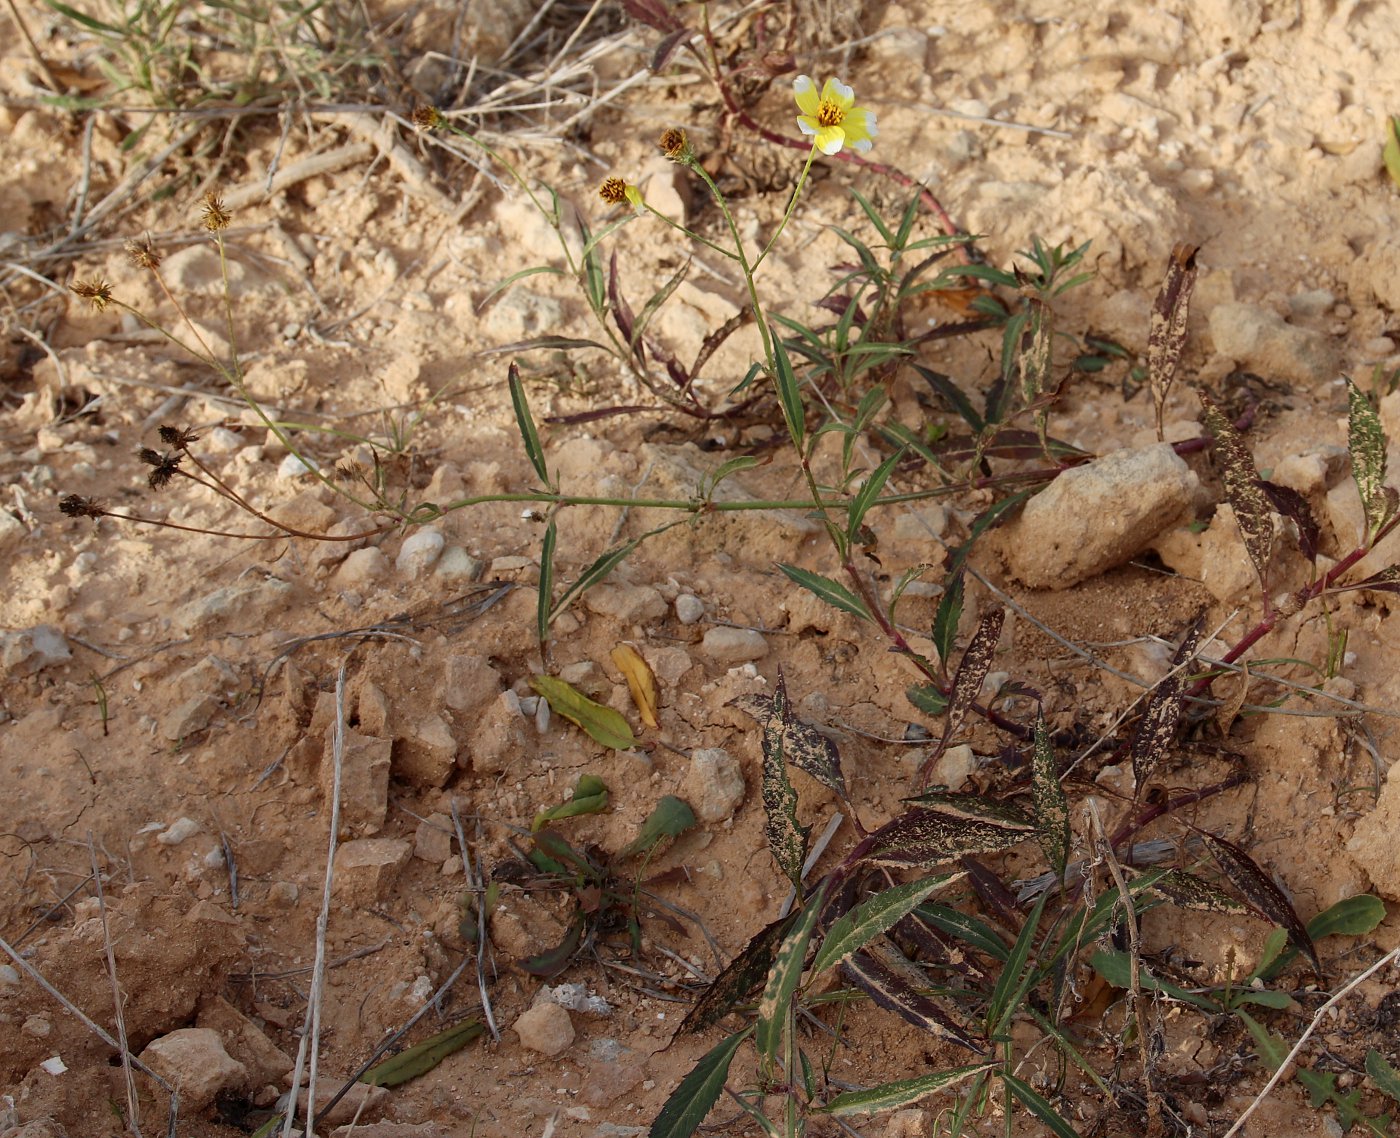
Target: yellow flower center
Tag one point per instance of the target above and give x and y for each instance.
(830, 114)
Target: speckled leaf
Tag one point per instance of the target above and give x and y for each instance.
(1386, 581)
(741, 977)
(1242, 488)
(890, 1096)
(1166, 335)
(872, 917)
(603, 724)
(976, 806)
(1260, 891)
(893, 984)
(972, 670)
(787, 840)
(924, 837)
(804, 746)
(422, 1057)
(1295, 508)
(1033, 360)
(775, 1005)
(690, 1102)
(1366, 441)
(1051, 805)
(1187, 891)
(1155, 734)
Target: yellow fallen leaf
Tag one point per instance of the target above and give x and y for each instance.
(641, 680)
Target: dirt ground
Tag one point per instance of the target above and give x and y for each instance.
(174, 726)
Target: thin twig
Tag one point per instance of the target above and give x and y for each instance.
(477, 883)
(133, 1103)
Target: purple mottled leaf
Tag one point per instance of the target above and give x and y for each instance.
(1260, 891)
(1294, 507)
(924, 837)
(893, 983)
(804, 746)
(1242, 488)
(739, 979)
(1156, 730)
(1166, 334)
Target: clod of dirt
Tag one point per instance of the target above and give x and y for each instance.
(1373, 843)
(433, 840)
(1098, 516)
(547, 1029)
(366, 869)
(1215, 557)
(24, 652)
(360, 1101)
(37, 1128)
(364, 781)
(1257, 338)
(714, 784)
(244, 1041)
(469, 683)
(392, 1130)
(425, 754)
(194, 1062)
(361, 567)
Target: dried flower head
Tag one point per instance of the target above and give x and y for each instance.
(615, 191)
(76, 506)
(99, 292)
(676, 146)
(213, 215)
(142, 252)
(178, 437)
(163, 467)
(428, 118)
(831, 119)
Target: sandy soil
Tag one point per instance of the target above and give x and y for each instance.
(194, 677)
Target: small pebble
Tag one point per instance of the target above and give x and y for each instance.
(734, 645)
(419, 550)
(294, 466)
(546, 1029)
(37, 1026)
(9, 975)
(179, 830)
(689, 608)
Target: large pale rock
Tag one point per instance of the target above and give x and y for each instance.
(23, 652)
(714, 784)
(245, 1041)
(194, 1062)
(1098, 516)
(1259, 339)
(1373, 842)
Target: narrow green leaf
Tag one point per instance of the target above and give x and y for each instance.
(544, 343)
(422, 1057)
(603, 724)
(526, 423)
(1381, 1073)
(670, 818)
(1116, 968)
(1274, 1001)
(87, 21)
(983, 522)
(658, 298)
(514, 277)
(865, 498)
(794, 414)
(730, 466)
(945, 620)
(873, 216)
(775, 1005)
(690, 1102)
(590, 797)
(872, 917)
(1241, 481)
(1366, 441)
(1038, 1106)
(965, 928)
(1351, 916)
(1015, 977)
(1271, 1048)
(1051, 804)
(787, 839)
(905, 1092)
(598, 571)
(544, 603)
(594, 280)
(832, 592)
(553, 961)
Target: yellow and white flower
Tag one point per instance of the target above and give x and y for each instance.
(832, 119)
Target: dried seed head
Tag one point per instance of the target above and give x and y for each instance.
(428, 118)
(142, 252)
(99, 292)
(76, 506)
(613, 191)
(214, 216)
(178, 437)
(163, 467)
(676, 146)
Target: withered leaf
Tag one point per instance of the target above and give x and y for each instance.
(972, 670)
(1295, 508)
(602, 724)
(641, 680)
(1260, 891)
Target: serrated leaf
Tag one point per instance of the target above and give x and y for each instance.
(1271, 1048)
(670, 818)
(945, 620)
(872, 917)
(787, 839)
(892, 983)
(865, 497)
(975, 806)
(1166, 335)
(1260, 891)
(928, 699)
(641, 681)
(1390, 152)
(1351, 916)
(832, 592)
(1038, 1106)
(590, 797)
(1242, 491)
(804, 746)
(422, 1057)
(690, 1102)
(972, 670)
(789, 396)
(602, 724)
(905, 1092)
(1187, 891)
(1381, 1073)
(1155, 734)
(924, 837)
(526, 423)
(1051, 804)
(742, 976)
(775, 1005)
(1366, 442)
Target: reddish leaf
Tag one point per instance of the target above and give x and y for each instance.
(1261, 892)
(804, 746)
(740, 979)
(972, 670)
(1295, 508)
(1242, 488)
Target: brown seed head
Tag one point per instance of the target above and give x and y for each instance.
(163, 467)
(676, 146)
(76, 506)
(143, 254)
(99, 292)
(213, 215)
(428, 118)
(178, 437)
(613, 191)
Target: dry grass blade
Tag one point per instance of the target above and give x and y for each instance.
(133, 1102)
(1166, 334)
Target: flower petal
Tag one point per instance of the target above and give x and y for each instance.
(807, 124)
(830, 139)
(834, 91)
(860, 123)
(804, 90)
